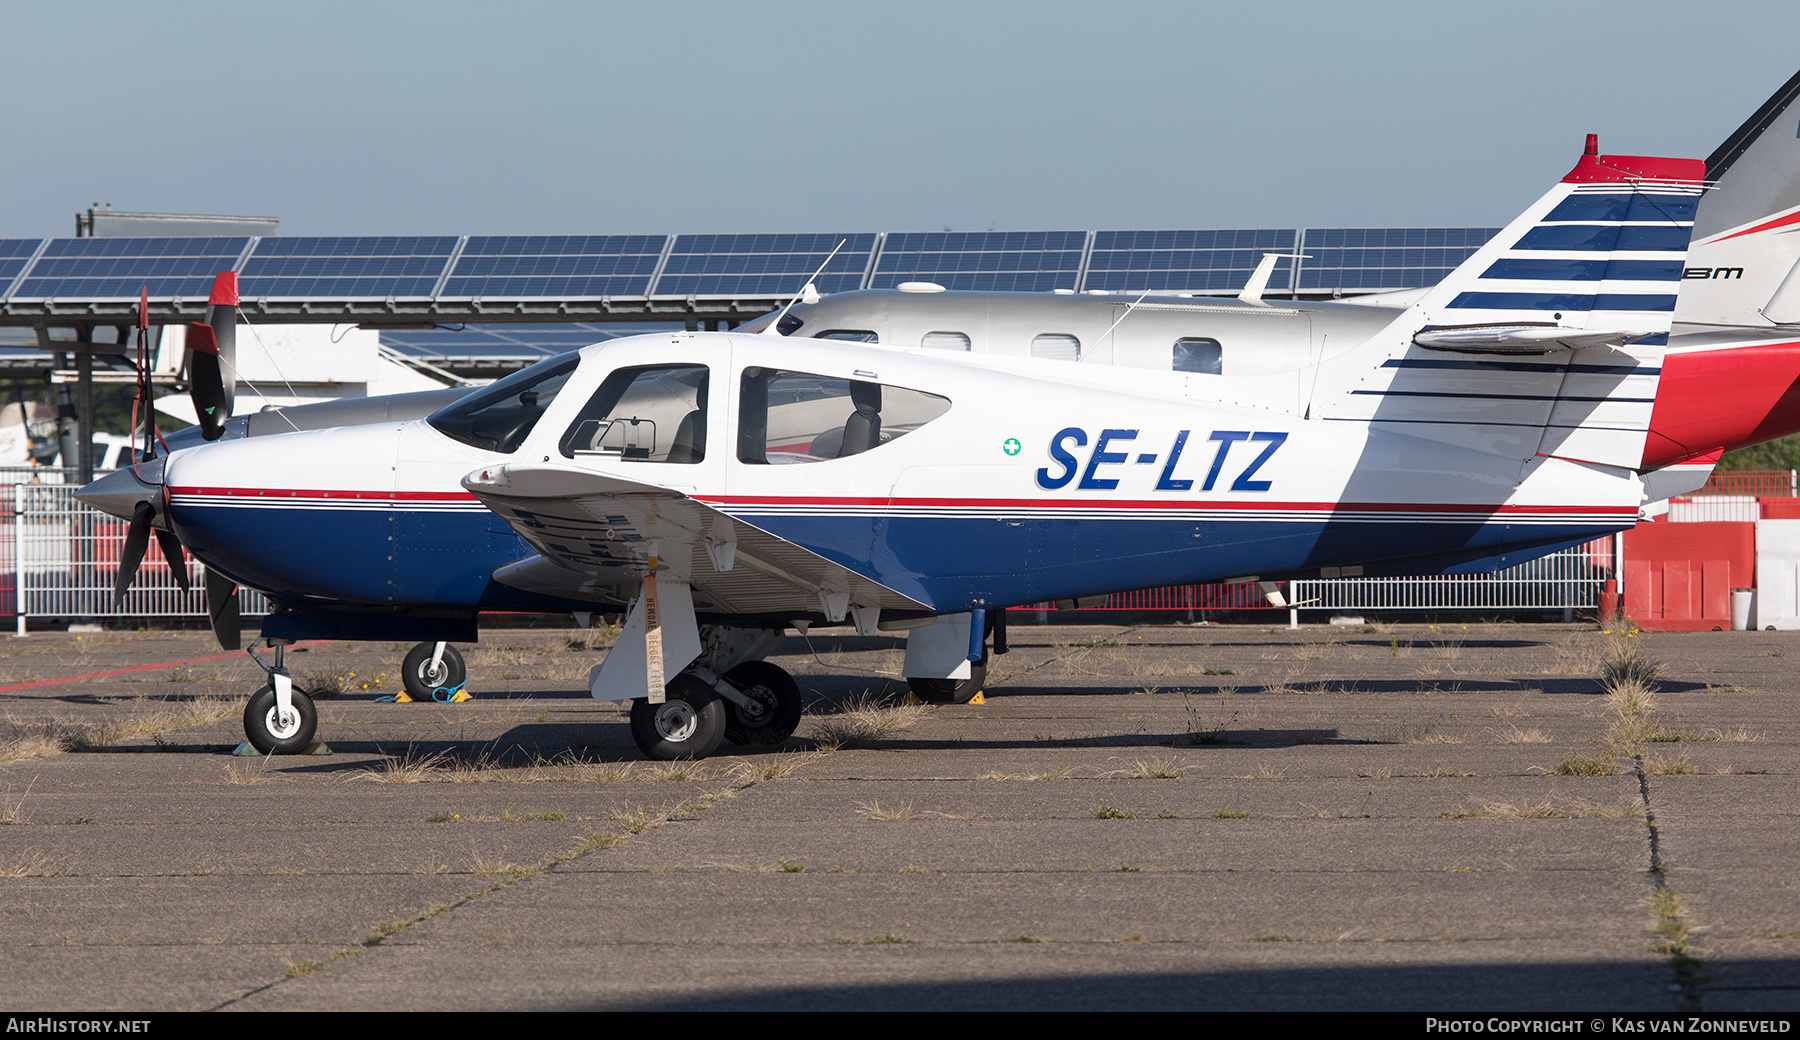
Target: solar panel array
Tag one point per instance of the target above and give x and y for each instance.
(1187, 261)
(759, 267)
(763, 265)
(555, 265)
(118, 268)
(984, 261)
(335, 268)
(1377, 259)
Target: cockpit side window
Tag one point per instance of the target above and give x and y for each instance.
(850, 335)
(656, 413)
(1193, 354)
(797, 417)
(499, 417)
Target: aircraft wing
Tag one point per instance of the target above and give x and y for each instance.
(596, 534)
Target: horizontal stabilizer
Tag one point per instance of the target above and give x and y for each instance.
(1520, 339)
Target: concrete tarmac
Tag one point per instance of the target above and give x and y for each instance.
(1398, 817)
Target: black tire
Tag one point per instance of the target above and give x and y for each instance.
(951, 691)
(688, 724)
(777, 696)
(268, 734)
(423, 683)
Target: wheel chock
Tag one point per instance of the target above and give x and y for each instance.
(912, 698)
(978, 698)
(317, 747)
(394, 698)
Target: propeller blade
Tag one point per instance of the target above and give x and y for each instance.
(206, 381)
(137, 539)
(172, 552)
(222, 605)
(221, 316)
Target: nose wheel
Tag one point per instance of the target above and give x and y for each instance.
(274, 731)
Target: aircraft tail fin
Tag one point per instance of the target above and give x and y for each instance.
(1547, 341)
(1744, 266)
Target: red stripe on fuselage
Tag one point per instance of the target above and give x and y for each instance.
(749, 501)
(352, 495)
(1764, 226)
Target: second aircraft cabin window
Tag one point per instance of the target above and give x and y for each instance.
(944, 341)
(1198, 355)
(652, 414)
(1056, 347)
(794, 417)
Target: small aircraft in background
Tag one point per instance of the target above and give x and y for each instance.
(1731, 378)
(722, 487)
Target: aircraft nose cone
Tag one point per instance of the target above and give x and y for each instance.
(119, 492)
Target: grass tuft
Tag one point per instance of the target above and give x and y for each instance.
(1109, 811)
(863, 720)
(1159, 768)
(410, 768)
(1579, 764)
(874, 810)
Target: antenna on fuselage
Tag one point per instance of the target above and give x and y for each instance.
(1120, 318)
(1259, 278)
(774, 328)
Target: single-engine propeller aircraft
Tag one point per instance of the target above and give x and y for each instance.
(722, 486)
(1729, 380)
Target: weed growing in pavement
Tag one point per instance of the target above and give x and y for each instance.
(863, 720)
(1579, 764)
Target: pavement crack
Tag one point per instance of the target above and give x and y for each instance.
(1671, 920)
(628, 830)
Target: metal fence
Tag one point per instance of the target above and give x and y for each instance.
(1754, 483)
(1570, 579)
(60, 559)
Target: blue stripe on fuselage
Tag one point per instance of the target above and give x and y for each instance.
(947, 563)
(433, 558)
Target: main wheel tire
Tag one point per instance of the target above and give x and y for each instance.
(271, 734)
(951, 691)
(776, 711)
(689, 723)
(433, 685)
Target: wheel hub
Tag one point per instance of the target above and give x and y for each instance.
(676, 720)
(280, 726)
(762, 702)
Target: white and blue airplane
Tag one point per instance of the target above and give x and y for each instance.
(723, 487)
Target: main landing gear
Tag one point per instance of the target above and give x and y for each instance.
(756, 704)
(280, 718)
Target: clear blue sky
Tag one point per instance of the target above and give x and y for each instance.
(461, 117)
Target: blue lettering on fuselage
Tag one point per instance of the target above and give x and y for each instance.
(1063, 457)
(1068, 464)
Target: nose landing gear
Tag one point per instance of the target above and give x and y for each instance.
(280, 718)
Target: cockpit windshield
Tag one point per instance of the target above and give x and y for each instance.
(499, 417)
